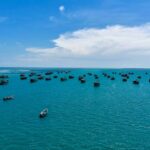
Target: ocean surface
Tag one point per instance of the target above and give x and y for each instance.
(114, 116)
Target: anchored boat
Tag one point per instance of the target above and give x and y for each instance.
(8, 98)
(43, 113)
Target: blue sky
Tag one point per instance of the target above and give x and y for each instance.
(51, 33)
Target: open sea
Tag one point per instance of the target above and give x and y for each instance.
(113, 116)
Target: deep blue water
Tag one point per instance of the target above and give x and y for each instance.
(114, 116)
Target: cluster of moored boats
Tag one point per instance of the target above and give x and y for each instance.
(125, 77)
(33, 77)
(49, 75)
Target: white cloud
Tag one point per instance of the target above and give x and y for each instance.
(112, 40)
(62, 8)
(119, 45)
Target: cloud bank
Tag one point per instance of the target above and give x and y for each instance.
(110, 41)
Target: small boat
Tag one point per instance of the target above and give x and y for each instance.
(108, 76)
(71, 77)
(96, 84)
(55, 76)
(136, 82)
(139, 77)
(82, 80)
(89, 73)
(40, 77)
(23, 77)
(96, 76)
(124, 80)
(8, 98)
(48, 78)
(48, 73)
(112, 78)
(63, 79)
(84, 75)
(43, 113)
(3, 76)
(33, 80)
(4, 82)
(32, 74)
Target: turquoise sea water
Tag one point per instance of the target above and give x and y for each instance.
(114, 116)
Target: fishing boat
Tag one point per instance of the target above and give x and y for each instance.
(63, 79)
(48, 78)
(71, 77)
(43, 113)
(8, 98)
(82, 80)
(96, 84)
(33, 80)
(135, 82)
(4, 82)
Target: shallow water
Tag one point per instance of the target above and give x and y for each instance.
(114, 116)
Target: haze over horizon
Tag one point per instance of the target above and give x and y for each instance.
(97, 34)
